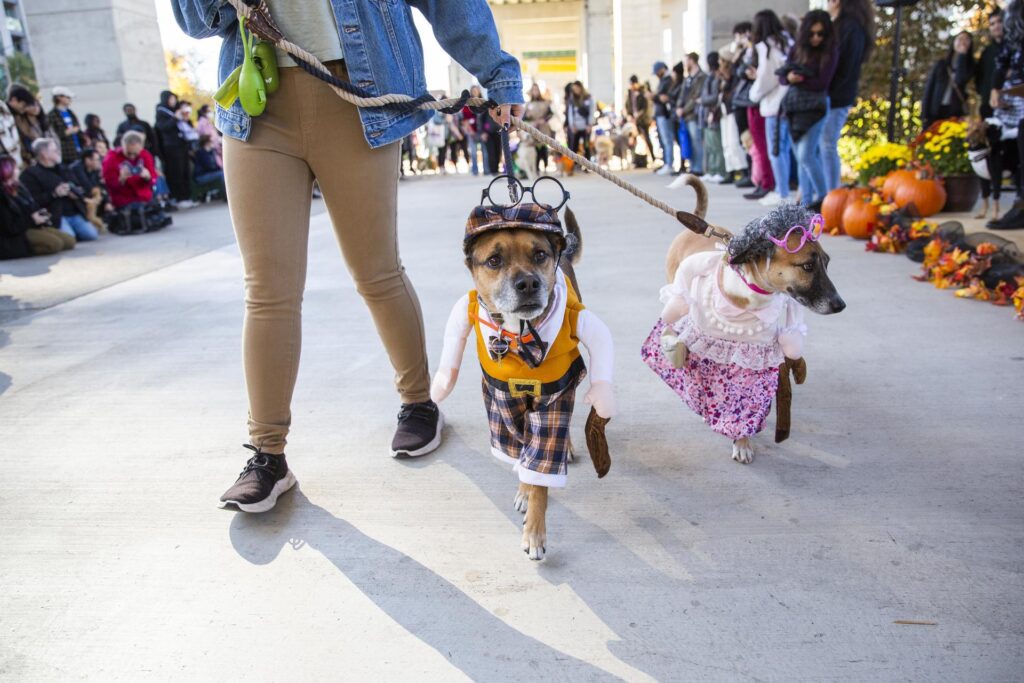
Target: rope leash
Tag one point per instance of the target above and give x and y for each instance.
(258, 21)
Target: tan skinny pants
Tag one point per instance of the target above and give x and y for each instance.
(308, 132)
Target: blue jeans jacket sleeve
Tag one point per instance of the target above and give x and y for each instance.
(467, 32)
(204, 18)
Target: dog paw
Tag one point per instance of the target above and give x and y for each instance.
(743, 452)
(534, 544)
(520, 503)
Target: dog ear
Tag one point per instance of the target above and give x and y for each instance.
(558, 243)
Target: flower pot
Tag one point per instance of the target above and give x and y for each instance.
(961, 192)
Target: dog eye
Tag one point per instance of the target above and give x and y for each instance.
(809, 266)
(540, 256)
(494, 262)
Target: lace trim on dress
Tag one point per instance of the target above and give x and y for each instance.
(749, 355)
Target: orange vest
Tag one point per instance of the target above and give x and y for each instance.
(562, 352)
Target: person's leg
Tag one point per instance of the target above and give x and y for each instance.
(664, 125)
(41, 242)
(834, 122)
(474, 143)
(713, 151)
(777, 134)
(759, 152)
(211, 177)
(809, 158)
(697, 146)
(176, 161)
(73, 225)
(269, 187)
(66, 241)
(349, 172)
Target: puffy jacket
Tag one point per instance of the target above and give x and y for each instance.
(135, 188)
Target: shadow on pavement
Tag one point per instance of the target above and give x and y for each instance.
(424, 603)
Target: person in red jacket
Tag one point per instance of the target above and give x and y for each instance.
(129, 172)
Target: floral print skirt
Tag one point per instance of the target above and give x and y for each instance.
(734, 401)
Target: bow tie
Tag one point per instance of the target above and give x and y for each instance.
(527, 344)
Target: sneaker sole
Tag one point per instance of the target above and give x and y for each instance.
(430, 447)
(268, 503)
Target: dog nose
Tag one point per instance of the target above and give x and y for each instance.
(837, 304)
(527, 284)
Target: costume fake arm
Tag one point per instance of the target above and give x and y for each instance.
(792, 331)
(455, 333)
(676, 296)
(595, 335)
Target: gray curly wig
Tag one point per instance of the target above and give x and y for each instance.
(752, 243)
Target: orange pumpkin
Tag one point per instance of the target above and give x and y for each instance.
(894, 180)
(836, 202)
(832, 207)
(860, 217)
(927, 194)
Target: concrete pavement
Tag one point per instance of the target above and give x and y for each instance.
(896, 498)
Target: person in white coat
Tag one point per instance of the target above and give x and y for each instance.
(771, 45)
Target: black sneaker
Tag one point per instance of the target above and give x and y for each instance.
(744, 182)
(260, 484)
(757, 194)
(419, 430)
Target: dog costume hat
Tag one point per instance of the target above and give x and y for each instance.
(530, 377)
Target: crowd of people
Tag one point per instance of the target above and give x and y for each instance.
(767, 112)
(764, 113)
(64, 181)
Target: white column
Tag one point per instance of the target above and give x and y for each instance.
(107, 52)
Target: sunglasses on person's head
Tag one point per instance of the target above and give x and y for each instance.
(811, 234)
(505, 192)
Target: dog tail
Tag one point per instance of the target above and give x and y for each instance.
(573, 238)
(693, 181)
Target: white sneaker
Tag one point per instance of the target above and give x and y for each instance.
(773, 198)
(714, 178)
(186, 204)
(664, 170)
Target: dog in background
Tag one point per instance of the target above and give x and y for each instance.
(732, 319)
(979, 151)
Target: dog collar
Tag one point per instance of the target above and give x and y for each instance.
(754, 288)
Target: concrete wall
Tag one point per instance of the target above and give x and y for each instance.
(544, 27)
(107, 51)
(600, 50)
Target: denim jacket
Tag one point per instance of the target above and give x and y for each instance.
(383, 54)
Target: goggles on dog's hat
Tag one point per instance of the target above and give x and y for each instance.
(524, 216)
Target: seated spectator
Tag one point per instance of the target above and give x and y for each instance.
(29, 117)
(53, 190)
(207, 170)
(129, 172)
(64, 124)
(25, 229)
(86, 174)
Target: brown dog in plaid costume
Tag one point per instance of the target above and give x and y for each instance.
(528, 322)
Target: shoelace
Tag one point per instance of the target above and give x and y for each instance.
(420, 411)
(260, 461)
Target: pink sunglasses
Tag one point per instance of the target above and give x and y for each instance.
(812, 234)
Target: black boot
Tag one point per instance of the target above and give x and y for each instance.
(1011, 220)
